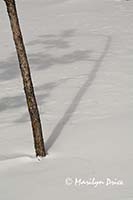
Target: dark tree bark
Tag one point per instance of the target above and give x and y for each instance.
(26, 76)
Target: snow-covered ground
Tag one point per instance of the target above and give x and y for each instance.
(81, 57)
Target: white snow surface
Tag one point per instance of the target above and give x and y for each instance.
(81, 58)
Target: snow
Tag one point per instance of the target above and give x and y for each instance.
(80, 54)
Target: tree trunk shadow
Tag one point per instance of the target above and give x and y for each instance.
(72, 107)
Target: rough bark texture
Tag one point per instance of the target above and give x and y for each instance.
(26, 76)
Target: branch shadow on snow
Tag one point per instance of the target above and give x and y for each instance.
(76, 100)
(19, 101)
(42, 61)
(9, 68)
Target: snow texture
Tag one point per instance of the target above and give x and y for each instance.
(81, 58)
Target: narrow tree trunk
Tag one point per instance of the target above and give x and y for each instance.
(26, 76)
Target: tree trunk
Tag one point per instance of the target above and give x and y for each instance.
(26, 76)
